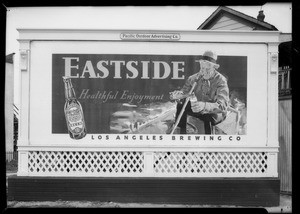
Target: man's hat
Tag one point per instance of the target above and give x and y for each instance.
(210, 56)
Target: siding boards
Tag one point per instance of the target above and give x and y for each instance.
(285, 143)
(228, 22)
(228, 26)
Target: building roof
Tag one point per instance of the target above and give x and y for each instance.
(229, 19)
(10, 58)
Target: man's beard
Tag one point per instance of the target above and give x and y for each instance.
(207, 75)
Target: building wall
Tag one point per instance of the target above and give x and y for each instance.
(9, 114)
(231, 22)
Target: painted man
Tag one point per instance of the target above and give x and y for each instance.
(211, 93)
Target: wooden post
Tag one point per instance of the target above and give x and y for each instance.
(272, 95)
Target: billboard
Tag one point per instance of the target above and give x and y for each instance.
(130, 94)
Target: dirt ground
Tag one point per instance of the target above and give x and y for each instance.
(285, 205)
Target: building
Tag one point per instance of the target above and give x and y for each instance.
(9, 109)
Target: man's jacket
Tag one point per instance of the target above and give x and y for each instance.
(214, 92)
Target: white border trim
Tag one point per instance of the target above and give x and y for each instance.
(185, 36)
(151, 148)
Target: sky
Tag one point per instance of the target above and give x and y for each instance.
(131, 17)
(127, 17)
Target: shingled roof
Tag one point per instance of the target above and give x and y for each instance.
(224, 18)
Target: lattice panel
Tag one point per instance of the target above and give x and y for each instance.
(210, 163)
(122, 163)
(81, 163)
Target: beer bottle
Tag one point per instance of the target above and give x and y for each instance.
(73, 112)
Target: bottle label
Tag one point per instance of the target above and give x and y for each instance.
(75, 118)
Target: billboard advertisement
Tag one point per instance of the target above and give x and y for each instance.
(156, 94)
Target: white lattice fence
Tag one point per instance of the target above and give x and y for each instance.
(211, 163)
(85, 163)
(139, 163)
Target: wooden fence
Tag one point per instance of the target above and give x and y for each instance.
(285, 129)
(9, 156)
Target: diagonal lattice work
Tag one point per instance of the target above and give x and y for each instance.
(211, 163)
(132, 163)
(81, 163)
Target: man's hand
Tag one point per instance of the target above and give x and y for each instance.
(175, 95)
(197, 106)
